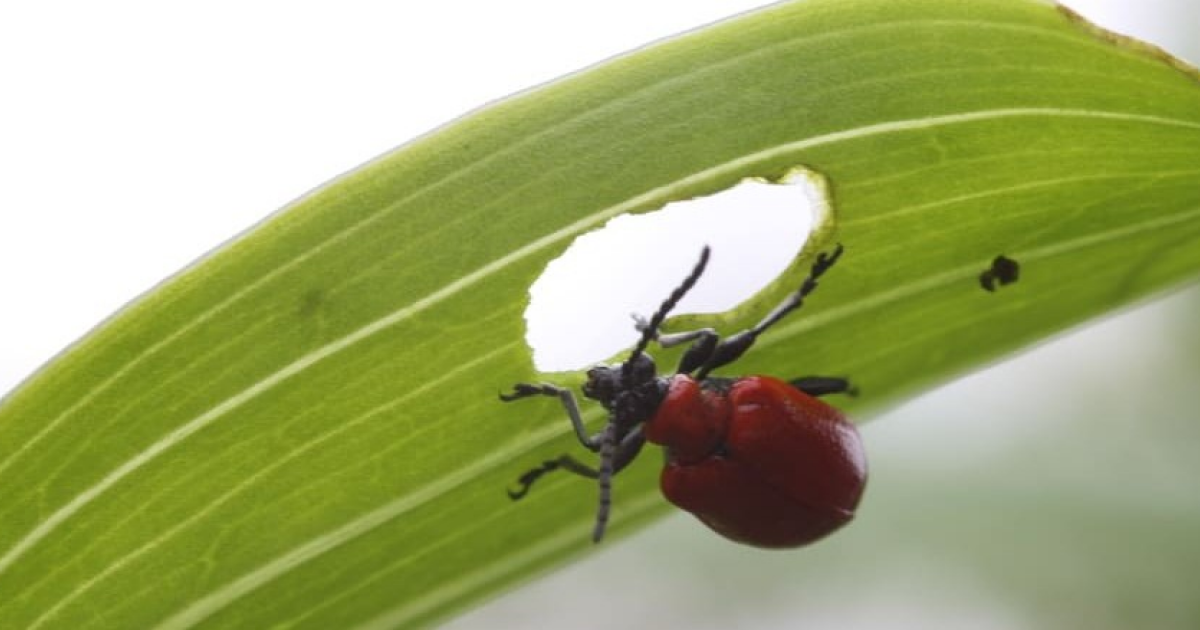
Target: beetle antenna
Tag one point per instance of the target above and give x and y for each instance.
(650, 330)
(608, 450)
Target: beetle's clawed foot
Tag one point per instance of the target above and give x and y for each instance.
(825, 261)
(517, 495)
(522, 390)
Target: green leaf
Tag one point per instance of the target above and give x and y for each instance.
(302, 429)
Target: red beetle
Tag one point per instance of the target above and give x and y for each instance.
(760, 460)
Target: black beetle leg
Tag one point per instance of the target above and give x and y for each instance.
(824, 385)
(563, 462)
(704, 341)
(625, 453)
(735, 346)
(564, 395)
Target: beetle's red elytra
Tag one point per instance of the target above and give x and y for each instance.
(760, 460)
(786, 468)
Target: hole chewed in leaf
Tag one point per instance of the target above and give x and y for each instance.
(580, 307)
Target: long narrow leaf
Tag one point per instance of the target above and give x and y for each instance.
(302, 430)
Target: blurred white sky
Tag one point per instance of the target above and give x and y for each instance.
(135, 136)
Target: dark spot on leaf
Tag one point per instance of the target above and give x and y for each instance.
(1004, 271)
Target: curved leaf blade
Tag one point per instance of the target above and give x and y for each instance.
(302, 431)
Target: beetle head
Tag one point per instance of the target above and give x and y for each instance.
(605, 383)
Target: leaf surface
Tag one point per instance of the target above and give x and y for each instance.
(302, 429)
